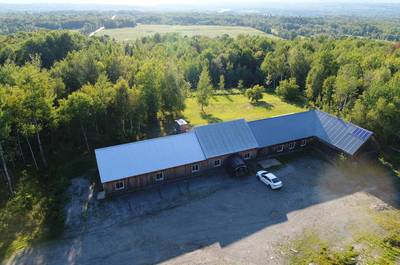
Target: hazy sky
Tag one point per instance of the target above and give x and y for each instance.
(184, 2)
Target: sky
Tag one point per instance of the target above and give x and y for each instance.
(185, 2)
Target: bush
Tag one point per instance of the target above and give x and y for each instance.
(393, 239)
(34, 212)
(288, 89)
(255, 93)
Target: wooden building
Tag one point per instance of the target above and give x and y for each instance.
(140, 164)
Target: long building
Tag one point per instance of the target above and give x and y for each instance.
(139, 164)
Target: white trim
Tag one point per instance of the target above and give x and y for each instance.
(119, 182)
(197, 168)
(217, 163)
(280, 148)
(292, 145)
(161, 178)
(246, 156)
(303, 142)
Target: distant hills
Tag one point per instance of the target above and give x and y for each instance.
(309, 8)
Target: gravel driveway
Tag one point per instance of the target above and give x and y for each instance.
(218, 220)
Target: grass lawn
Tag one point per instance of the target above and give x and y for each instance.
(230, 107)
(143, 30)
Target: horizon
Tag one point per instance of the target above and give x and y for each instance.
(194, 3)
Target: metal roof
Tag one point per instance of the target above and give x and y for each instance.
(282, 129)
(122, 161)
(341, 134)
(181, 122)
(225, 138)
(126, 160)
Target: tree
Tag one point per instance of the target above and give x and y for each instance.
(149, 79)
(38, 99)
(255, 93)
(298, 65)
(322, 67)
(173, 89)
(240, 85)
(221, 83)
(288, 89)
(121, 103)
(78, 106)
(328, 89)
(275, 66)
(4, 135)
(204, 89)
(347, 86)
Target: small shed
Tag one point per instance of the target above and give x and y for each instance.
(236, 166)
(181, 126)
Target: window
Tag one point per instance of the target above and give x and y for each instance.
(279, 148)
(160, 176)
(247, 156)
(217, 163)
(195, 168)
(119, 185)
(292, 145)
(303, 142)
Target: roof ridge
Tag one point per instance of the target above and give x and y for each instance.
(217, 123)
(283, 115)
(144, 140)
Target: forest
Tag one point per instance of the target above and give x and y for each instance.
(286, 27)
(62, 94)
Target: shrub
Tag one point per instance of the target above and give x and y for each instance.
(255, 93)
(288, 89)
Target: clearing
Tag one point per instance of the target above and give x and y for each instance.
(230, 107)
(144, 30)
(215, 219)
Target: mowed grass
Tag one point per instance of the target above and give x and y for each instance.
(144, 30)
(230, 107)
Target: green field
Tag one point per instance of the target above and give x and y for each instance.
(230, 107)
(143, 30)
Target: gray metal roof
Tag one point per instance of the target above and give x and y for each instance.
(282, 129)
(343, 135)
(122, 161)
(225, 138)
(126, 160)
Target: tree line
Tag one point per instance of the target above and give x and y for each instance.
(286, 27)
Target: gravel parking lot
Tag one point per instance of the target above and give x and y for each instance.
(219, 220)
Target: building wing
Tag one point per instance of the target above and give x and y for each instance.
(334, 131)
(126, 160)
(282, 129)
(224, 138)
(340, 134)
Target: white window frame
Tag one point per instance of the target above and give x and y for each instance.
(246, 156)
(195, 168)
(292, 145)
(217, 163)
(280, 148)
(162, 176)
(303, 142)
(119, 182)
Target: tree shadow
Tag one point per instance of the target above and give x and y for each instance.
(228, 97)
(262, 104)
(210, 118)
(299, 101)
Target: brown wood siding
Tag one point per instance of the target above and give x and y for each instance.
(172, 174)
(271, 150)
